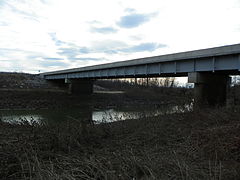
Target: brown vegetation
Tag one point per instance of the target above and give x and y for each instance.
(196, 145)
(22, 81)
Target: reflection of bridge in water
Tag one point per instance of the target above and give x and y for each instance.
(209, 69)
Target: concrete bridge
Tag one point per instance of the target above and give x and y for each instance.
(208, 69)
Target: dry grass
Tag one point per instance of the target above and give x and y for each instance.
(196, 145)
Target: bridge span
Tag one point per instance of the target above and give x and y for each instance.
(208, 69)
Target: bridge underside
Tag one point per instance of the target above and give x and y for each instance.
(210, 88)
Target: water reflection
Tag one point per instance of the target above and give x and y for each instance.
(32, 118)
(112, 115)
(86, 114)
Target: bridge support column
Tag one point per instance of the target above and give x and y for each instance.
(60, 83)
(210, 89)
(79, 86)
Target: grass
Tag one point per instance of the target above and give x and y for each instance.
(196, 145)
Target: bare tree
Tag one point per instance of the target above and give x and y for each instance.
(167, 82)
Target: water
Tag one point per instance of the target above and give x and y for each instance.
(83, 113)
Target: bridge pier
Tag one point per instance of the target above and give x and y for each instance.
(80, 86)
(60, 83)
(210, 89)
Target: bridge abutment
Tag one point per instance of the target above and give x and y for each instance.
(210, 89)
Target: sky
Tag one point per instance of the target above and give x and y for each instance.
(46, 35)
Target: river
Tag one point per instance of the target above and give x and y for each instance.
(87, 113)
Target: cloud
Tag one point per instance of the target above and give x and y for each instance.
(134, 20)
(136, 37)
(111, 51)
(116, 47)
(3, 23)
(108, 47)
(54, 59)
(72, 52)
(56, 40)
(130, 10)
(44, 1)
(53, 64)
(88, 59)
(143, 47)
(94, 22)
(27, 54)
(25, 13)
(9, 51)
(2, 3)
(103, 30)
(105, 45)
(34, 57)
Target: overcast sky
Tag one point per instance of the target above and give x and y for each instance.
(49, 35)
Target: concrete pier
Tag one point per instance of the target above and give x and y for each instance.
(60, 83)
(210, 89)
(80, 86)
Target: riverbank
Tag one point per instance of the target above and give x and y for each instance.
(196, 145)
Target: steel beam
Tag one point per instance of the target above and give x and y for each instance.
(220, 59)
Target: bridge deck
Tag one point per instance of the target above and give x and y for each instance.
(225, 59)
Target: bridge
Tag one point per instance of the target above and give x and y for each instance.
(208, 69)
